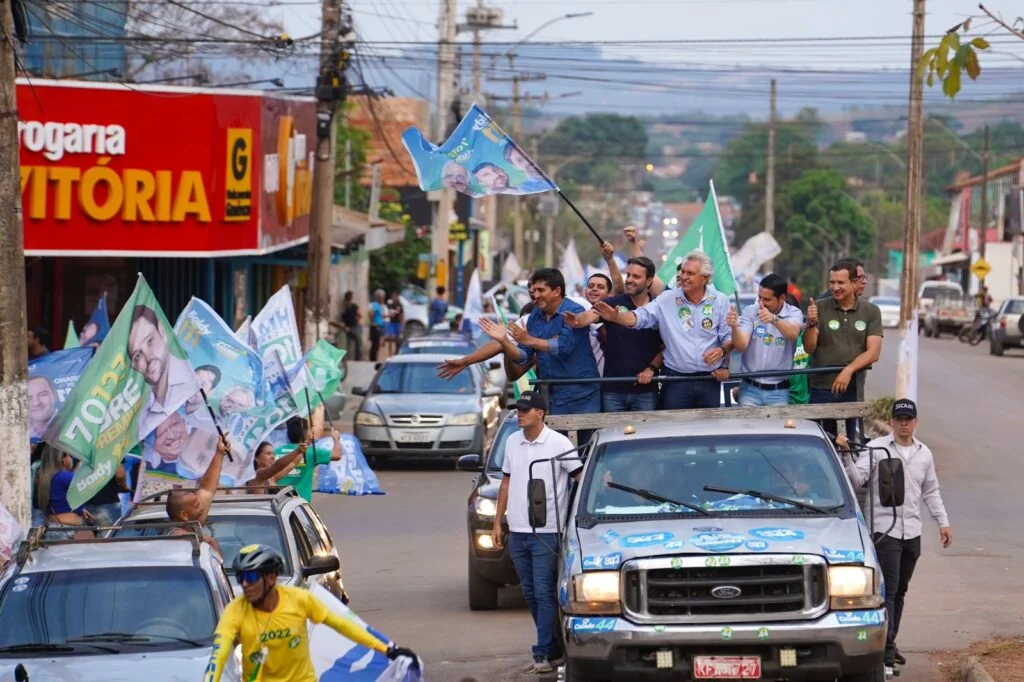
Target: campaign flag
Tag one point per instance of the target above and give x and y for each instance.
(275, 327)
(572, 269)
(351, 475)
(511, 270)
(474, 301)
(139, 375)
(754, 253)
(51, 379)
(98, 326)
(705, 234)
(245, 334)
(71, 338)
(338, 659)
(478, 159)
(323, 371)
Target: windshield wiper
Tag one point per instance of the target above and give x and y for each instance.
(45, 646)
(767, 496)
(127, 638)
(655, 497)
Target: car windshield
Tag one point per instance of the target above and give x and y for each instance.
(497, 456)
(417, 296)
(172, 606)
(456, 349)
(885, 300)
(1014, 307)
(797, 467)
(934, 292)
(231, 532)
(417, 377)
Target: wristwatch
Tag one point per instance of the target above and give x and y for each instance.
(652, 368)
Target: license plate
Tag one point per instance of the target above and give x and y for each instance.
(413, 437)
(727, 667)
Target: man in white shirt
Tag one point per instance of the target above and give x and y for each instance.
(900, 546)
(535, 551)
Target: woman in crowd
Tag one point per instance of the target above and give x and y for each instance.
(53, 480)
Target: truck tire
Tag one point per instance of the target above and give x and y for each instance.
(995, 347)
(572, 676)
(873, 676)
(483, 594)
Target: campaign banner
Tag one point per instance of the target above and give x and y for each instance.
(229, 370)
(275, 328)
(154, 481)
(478, 159)
(51, 379)
(351, 475)
(317, 377)
(337, 659)
(98, 326)
(139, 375)
(71, 337)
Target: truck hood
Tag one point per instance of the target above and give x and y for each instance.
(167, 666)
(607, 545)
(428, 403)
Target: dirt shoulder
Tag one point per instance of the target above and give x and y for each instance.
(1002, 657)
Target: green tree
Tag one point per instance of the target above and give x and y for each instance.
(360, 143)
(815, 213)
(604, 143)
(394, 265)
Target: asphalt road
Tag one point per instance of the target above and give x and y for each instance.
(404, 554)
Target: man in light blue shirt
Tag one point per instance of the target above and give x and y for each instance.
(692, 323)
(766, 335)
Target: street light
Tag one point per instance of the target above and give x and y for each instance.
(572, 15)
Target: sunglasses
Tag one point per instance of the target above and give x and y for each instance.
(248, 577)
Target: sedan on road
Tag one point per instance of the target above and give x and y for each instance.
(409, 411)
(1008, 326)
(889, 306)
(459, 344)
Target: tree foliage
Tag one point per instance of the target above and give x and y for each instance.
(394, 265)
(605, 145)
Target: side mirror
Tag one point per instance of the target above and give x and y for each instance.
(319, 565)
(891, 484)
(469, 463)
(359, 390)
(494, 364)
(536, 492)
(378, 365)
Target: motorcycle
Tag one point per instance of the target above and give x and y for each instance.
(978, 330)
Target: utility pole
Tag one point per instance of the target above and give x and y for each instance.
(769, 183)
(330, 93)
(982, 233)
(906, 373)
(448, 25)
(14, 456)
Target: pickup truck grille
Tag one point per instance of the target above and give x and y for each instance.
(695, 593)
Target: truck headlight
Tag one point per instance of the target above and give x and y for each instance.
(854, 587)
(485, 506)
(467, 419)
(598, 587)
(368, 419)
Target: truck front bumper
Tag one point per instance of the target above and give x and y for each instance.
(825, 647)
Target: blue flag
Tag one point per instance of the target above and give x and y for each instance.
(479, 159)
(351, 475)
(50, 380)
(95, 330)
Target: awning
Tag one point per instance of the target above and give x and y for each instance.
(950, 259)
(351, 226)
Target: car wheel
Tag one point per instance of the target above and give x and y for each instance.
(877, 675)
(995, 347)
(571, 675)
(483, 594)
(414, 328)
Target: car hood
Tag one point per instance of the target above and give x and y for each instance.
(837, 540)
(431, 403)
(166, 666)
(489, 484)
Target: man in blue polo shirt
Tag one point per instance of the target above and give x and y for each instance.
(560, 351)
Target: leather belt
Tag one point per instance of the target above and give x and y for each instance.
(782, 385)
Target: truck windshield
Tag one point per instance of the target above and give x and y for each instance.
(168, 607)
(798, 467)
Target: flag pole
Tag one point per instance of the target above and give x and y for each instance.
(216, 425)
(330, 422)
(580, 216)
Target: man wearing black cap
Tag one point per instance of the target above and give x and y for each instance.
(899, 546)
(534, 551)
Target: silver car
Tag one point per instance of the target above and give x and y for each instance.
(1006, 327)
(409, 411)
(112, 609)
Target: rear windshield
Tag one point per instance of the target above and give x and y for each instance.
(1014, 307)
(170, 606)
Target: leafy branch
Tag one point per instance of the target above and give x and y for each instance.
(952, 58)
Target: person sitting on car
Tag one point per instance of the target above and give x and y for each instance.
(184, 506)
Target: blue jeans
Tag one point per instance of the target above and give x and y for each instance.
(645, 401)
(536, 560)
(106, 514)
(685, 395)
(824, 396)
(752, 396)
(590, 404)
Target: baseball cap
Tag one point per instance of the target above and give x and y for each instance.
(532, 400)
(904, 408)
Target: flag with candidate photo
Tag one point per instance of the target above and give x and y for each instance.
(51, 378)
(98, 326)
(138, 377)
(478, 159)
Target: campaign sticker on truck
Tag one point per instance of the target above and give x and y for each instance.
(609, 561)
(674, 544)
(592, 624)
(608, 537)
(777, 533)
(717, 542)
(843, 556)
(757, 545)
(860, 617)
(645, 539)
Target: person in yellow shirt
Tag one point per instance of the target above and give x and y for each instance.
(269, 620)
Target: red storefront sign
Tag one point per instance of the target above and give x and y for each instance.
(115, 170)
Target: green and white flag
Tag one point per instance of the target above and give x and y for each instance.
(525, 382)
(138, 377)
(707, 235)
(71, 339)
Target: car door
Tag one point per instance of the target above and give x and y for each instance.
(336, 579)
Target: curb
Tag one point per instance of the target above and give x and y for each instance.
(974, 671)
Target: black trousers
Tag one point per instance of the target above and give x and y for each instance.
(898, 559)
(376, 334)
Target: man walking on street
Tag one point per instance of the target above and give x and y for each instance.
(352, 318)
(534, 551)
(844, 331)
(691, 321)
(438, 309)
(377, 314)
(899, 547)
(766, 336)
